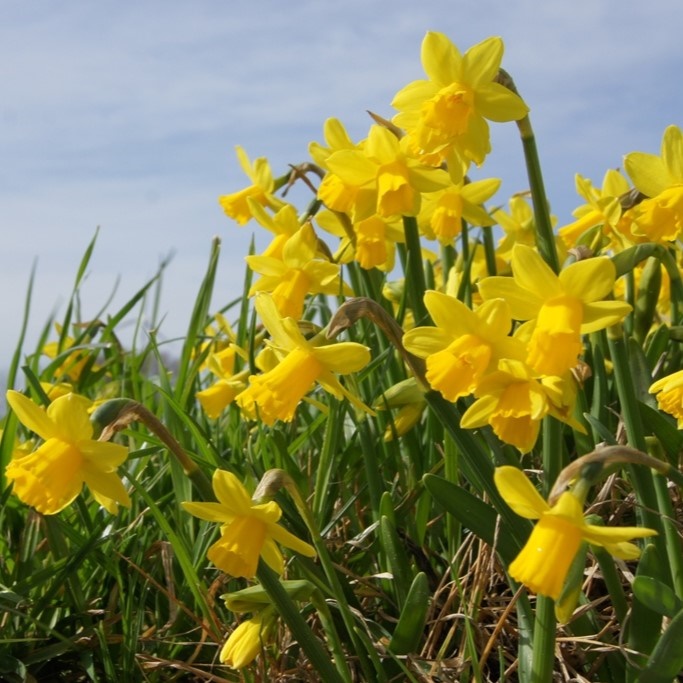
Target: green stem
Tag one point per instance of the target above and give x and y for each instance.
(544, 641)
(415, 275)
(291, 615)
(545, 624)
(332, 576)
(545, 238)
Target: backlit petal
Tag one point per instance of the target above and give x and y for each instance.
(32, 416)
(519, 493)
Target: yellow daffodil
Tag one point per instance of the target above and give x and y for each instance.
(388, 182)
(261, 190)
(276, 393)
(371, 242)
(217, 396)
(544, 562)
(563, 307)
(298, 272)
(512, 402)
(445, 116)
(249, 530)
(660, 178)
(669, 394)
(444, 210)
(246, 641)
(51, 477)
(464, 345)
(283, 224)
(74, 362)
(603, 207)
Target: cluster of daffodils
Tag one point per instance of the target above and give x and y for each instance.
(500, 330)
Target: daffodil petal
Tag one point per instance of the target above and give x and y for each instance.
(230, 492)
(441, 59)
(609, 535)
(672, 153)
(519, 493)
(647, 171)
(106, 486)
(32, 416)
(70, 414)
(449, 313)
(211, 512)
(424, 341)
(524, 305)
(482, 61)
(601, 314)
(104, 455)
(589, 280)
(343, 357)
(289, 540)
(532, 273)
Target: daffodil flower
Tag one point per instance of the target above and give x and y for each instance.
(51, 477)
(445, 116)
(249, 530)
(543, 563)
(246, 641)
(660, 178)
(261, 190)
(389, 182)
(669, 394)
(603, 207)
(276, 393)
(464, 345)
(217, 396)
(563, 307)
(444, 210)
(512, 401)
(299, 271)
(74, 362)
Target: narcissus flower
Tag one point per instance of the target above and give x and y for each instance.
(444, 210)
(51, 477)
(300, 363)
(217, 396)
(464, 345)
(660, 178)
(249, 530)
(445, 116)
(512, 402)
(245, 643)
(388, 182)
(296, 272)
(563, 307)
(544, 562)
(603, 207)
(73, 362)
(669, 391)
(261, 190)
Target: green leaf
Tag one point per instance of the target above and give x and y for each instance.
(666, 661)
(411, 623)
(473, 513)
(657, 596)
(396, 558)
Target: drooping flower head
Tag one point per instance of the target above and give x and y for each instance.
(249, 530)
(52, 476)
(297, 364)
(544, 562)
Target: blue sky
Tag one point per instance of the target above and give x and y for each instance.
(125, 116)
